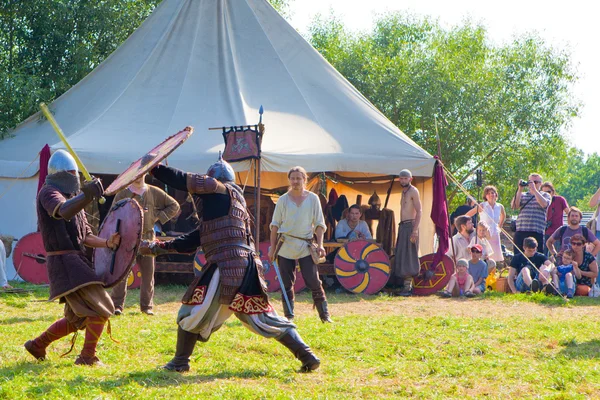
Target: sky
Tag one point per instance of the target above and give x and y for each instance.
(565, 25)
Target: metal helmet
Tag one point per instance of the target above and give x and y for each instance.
(221, 170)
(61, 160)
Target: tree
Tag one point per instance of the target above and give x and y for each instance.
(500, 108)
(47, 46)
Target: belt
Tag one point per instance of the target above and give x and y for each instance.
(62, 252)
(408, 221)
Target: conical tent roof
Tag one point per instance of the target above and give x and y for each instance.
(210, 63)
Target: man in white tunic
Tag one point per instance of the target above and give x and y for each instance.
(297, 218)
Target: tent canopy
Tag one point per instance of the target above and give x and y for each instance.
(209, 63)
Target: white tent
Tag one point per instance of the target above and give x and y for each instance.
(209, 63)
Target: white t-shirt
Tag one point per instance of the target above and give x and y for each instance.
(487, 247)
(342, 229)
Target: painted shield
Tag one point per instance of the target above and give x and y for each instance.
(29, 259)
(362, 267)
(273, 284)
(441, 275)
(134, 280)
(148, 161)
(126, 218)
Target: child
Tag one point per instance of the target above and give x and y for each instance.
(478, 269)
(562, 276)
(483, 236)
(461, 279)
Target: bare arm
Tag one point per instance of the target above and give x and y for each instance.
(516, 201)
(596, 244)
(418, 211)
(502, 216)
(550, 245)
(595, 199)
(541, 200)
(511, 280)
(97, 242)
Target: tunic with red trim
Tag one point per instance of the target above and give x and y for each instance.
(71, 271)
(224, 234)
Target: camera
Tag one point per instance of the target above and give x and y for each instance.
(523, 183)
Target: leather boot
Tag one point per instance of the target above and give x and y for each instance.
(186, 341)
(93, 330)
(289, 314)
(300, 350)
(407, 288)
(57, 330)
(323, 311)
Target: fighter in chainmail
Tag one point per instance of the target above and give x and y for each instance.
(65, 232)
(232, 280)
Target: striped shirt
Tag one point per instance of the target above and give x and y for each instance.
(532, 217)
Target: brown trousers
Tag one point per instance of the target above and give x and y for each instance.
(310, 273)
(119, 292)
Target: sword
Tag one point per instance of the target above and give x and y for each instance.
(63, 139)
(276, 267)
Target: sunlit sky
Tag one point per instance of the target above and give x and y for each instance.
(569, 25)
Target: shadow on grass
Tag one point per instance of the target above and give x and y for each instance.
(17, 320)
(161, 378)
(581, 350)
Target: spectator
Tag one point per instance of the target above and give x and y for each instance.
(522, 275)
(531, 221)
(584, 266)
(478, 269)
(594, 224)
(3, 281)
(461, 279)
(352, 227)
(460, 241)
(493, 214)
(563, 274)
(463, 210)
(564, 233)
(482, 237)
(554, 214)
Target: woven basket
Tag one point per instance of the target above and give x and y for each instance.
(502, 282)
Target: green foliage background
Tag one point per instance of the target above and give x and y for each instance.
(503, 108)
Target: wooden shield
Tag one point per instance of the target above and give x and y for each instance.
(148, 161)
(442, 274)
(134, 279)
(273, 284)
(362, 267)
(30, 259)
(126, 218)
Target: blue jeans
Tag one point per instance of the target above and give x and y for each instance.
(520, 283)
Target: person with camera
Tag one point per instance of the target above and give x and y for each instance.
(532, 206)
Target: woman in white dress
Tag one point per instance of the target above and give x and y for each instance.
(492, 212)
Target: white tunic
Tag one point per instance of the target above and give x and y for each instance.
(300, 221)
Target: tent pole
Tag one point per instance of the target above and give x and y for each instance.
(257, 203)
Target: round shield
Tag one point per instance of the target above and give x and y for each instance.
(148, 161)
(30, 259)
(126, 218)
(362, 267)
(273, 284)
(441, 275)
(134, 280)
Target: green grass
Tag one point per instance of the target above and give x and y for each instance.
(495, 346)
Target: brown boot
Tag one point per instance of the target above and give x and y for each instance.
(93, 330)
(186, 341)
(57, 330)
(91, 361)
(323, 311)
(300, 350)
